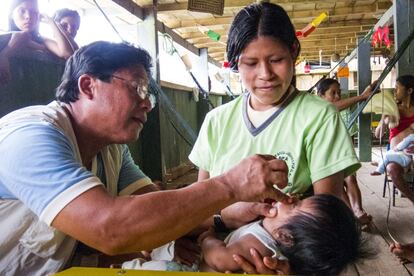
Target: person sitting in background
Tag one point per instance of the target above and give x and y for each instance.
(24, 35)
(404, 96)
(329, 90)
(69, 21)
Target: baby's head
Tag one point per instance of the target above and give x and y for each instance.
(319, 235)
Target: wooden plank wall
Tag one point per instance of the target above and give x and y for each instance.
(34, 80)
(176, 149)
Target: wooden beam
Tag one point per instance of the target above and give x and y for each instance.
(210, 44)
(132, 7)
(205, 39)
(326, 55)
(176, 38)
(182, 5)
(181, 41)
(196, 33)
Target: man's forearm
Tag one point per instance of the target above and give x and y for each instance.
(134, 223)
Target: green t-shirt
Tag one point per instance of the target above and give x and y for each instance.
(308, 135)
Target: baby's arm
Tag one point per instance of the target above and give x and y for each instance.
(406, 142)
(382, 126)
(219, 256)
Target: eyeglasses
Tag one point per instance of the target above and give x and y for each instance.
(141, 90)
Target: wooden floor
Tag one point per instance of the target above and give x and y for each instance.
(401, 225)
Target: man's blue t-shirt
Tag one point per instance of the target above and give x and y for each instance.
(38, 164)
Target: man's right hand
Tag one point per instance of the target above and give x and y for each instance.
(253, 179)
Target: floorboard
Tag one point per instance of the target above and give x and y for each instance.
(401, 224)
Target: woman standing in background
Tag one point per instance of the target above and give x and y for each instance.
(24, 18)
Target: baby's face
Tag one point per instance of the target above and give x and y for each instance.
(285, 211)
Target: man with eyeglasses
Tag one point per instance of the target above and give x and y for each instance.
(66, 174)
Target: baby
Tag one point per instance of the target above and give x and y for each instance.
(396, 155)
(318, 235)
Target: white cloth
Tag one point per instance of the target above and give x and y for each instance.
(256, 229)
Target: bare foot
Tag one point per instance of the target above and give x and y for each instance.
(405, 252)
(375, 173)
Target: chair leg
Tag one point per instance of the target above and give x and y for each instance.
(385, 185)
(394, 189)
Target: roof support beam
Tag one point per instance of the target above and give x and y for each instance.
(184, 43)
(364, 120)
(132, 7)
(403, 22)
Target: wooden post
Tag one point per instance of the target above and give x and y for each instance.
(364, 120)
(200, 69)
(152, 163)
(403, 12)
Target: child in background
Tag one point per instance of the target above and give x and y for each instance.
(330, 90)
(69, 21)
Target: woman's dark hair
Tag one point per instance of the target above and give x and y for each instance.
(408, 82)
(263, 19)
(99, 59)
(324, 85)
(326, 241)
(59, 14)
(12, 26)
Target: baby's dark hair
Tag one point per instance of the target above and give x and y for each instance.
(324, 242)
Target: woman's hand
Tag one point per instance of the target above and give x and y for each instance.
(379, 130)
(266, 265)
(369, 90)
(20, 40)
(241, 213)
(17, 41)
(46, 19)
